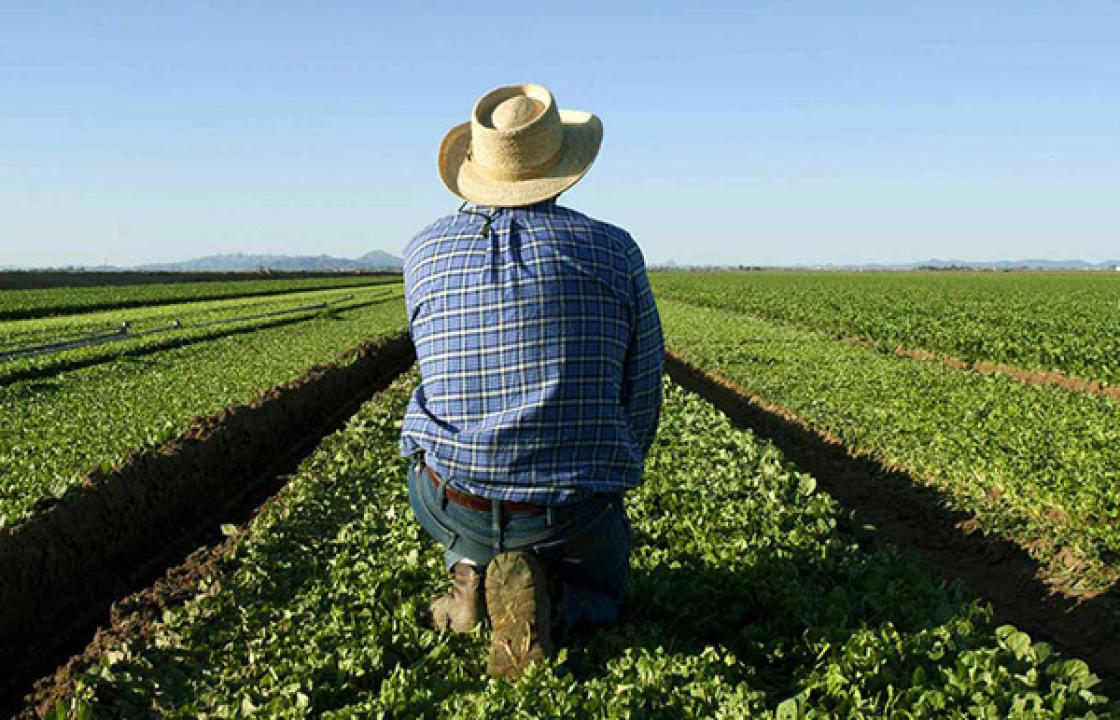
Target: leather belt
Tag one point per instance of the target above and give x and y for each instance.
(474, 502)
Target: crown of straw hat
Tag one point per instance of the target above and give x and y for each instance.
(518, 148)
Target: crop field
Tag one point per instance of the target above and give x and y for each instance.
(44, 329)
(1046, 321)
(141, 392)
(756, 591)
(315, 609)
(53, 301)
(1035, 462)
(100, 336)
(1031, 461)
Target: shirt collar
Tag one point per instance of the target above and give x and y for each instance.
(490, 209)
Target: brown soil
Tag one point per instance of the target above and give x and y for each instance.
(63, 568)
(1053, 378)
(908, 513)
(130, 619)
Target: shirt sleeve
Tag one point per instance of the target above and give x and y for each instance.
(645, 358)
(408, 270)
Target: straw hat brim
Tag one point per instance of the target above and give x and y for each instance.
(583, 134)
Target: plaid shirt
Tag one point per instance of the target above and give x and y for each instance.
(540, 354)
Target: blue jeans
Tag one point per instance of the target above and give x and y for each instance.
(586, 544)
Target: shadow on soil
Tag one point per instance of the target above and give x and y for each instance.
(908, 514)
(121, 529)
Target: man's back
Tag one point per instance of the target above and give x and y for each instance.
(540, 358)
(540, 353)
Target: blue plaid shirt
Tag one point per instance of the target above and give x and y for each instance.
(540, 354)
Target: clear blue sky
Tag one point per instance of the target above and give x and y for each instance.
(744, 132)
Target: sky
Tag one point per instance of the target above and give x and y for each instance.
(735, 133)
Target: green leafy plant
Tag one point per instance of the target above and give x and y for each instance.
(752, 596)
(1048, 321)
(47, 302)
(1037, 464)
(52, 430)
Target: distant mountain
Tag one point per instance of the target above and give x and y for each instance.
(239, 262)
(380, 259)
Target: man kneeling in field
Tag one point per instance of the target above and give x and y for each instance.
(540, 355)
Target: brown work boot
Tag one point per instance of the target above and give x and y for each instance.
(461, 608)
(519, 603)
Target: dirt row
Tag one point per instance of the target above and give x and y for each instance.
(130, 619)
(63, 568)
(910, 514)
(1053, 378)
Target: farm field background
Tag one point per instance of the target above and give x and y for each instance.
(1069, 322)
(137, 393)
(67, 299)
(103, 335)
(1036, 463)
(754, 593)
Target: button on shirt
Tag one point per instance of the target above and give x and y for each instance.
(540, 354)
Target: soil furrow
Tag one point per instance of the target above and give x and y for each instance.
(123, 528)
(909, 514)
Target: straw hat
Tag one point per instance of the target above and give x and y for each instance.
(518, 148)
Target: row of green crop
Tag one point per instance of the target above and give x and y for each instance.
(752, 595)
(54, 429)
(46, 302)
(1038, 464)
(199, 321)
(1048, 321)
(14, 333)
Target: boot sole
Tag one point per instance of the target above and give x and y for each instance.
(520, 610)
